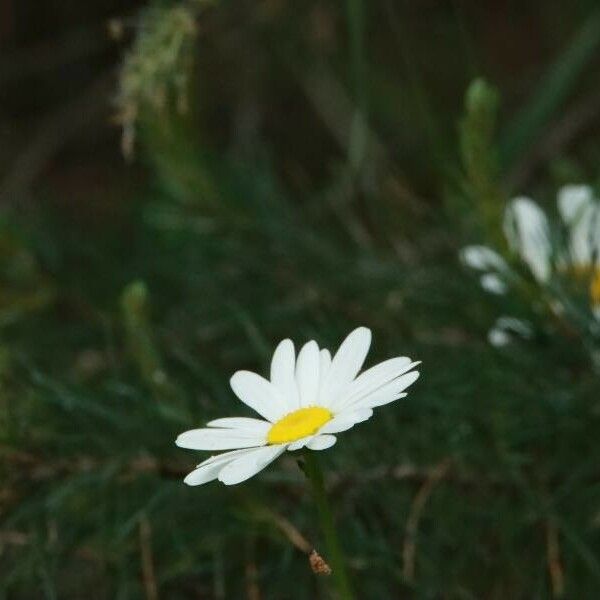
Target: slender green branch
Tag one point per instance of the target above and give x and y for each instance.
(355, 12)
(335, 555)
(479, 157)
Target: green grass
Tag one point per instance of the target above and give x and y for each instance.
(123, 332)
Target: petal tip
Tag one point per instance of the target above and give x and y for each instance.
(190, 481)
(180, 440)
(363, 331)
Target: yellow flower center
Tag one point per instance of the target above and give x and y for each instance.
(298, 424)
(595, 288)
(591, 273)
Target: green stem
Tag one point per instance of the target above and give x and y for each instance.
(355, 12)
(335, 556)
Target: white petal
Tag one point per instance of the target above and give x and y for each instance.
(482, 258)
(209, 469)
(346, 364)
(584, 237)
(321, 442)
(224, 457)
(255, 426)
(299, 444)
(581, 213)
(219, 439)
(573, 200)
(387, 393)
(490, 282)
(526, 228)
(283, 368)
(346, 420)
(259, 394)
(499, 337)
(307, 374)
(250, 464)
(372, 379)
(381, 401)
(202, 475)
(523, 328)
(324, 366)
(506, 328)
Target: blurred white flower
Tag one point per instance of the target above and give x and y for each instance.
(499, 337)
(581, 214)
(492, 283)
(482, 258)
(527, 231)
(494, 267)
(506, 329)
(307, 400)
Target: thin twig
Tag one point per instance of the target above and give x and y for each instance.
(252, 589)
(251, 577)
(219, 589)
(414, 517)
(555, 568)
(148, 574)
(289, 530)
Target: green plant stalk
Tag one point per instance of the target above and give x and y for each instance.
(479, 157)
(355, 12)
(335, 555)
(135, 308)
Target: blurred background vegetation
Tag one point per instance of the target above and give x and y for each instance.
(183, 184)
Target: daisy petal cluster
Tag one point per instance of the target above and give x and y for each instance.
(309, 399)
(529, 236)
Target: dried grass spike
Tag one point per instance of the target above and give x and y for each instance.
(318, 564)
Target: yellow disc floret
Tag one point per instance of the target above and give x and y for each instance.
(298, 424)
(595, 289)
(591, 273)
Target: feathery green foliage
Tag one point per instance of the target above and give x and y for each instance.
(479, 158)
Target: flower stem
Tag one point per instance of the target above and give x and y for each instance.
(335, 556)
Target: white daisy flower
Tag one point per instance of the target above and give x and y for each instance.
(309, 398)
(527, 231)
